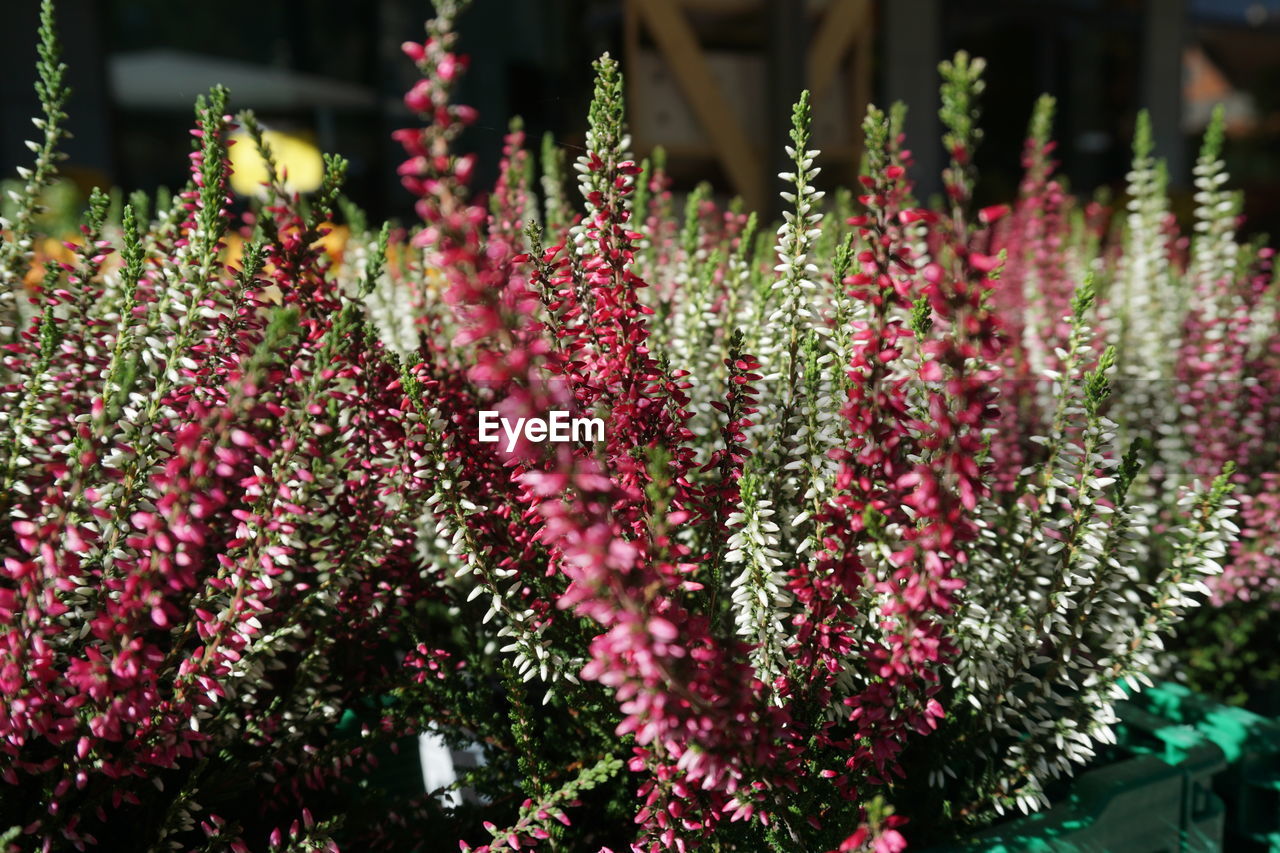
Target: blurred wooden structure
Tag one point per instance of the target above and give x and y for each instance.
(695, 69)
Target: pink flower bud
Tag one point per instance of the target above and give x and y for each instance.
(414, 50)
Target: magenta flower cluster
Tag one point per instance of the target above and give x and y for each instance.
(851, 484)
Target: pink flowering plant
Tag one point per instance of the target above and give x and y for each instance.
(1193, 319)
(840, 569)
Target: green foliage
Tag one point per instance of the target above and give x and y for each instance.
(962, 84)
(1214, 135)
(52, 91)
(1229, 652)
(1083, 299)
(921, 317)
(1041, 127)
(1097, 387)
(876, 132)
(556, 206)
(801, 121)
(1143, 140)
(606, 116)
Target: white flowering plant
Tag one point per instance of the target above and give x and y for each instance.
(877, 532)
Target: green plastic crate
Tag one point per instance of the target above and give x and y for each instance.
(1159, 797)
(1133, 805)
(1202, 761)
(1250, 784)
(398, 771)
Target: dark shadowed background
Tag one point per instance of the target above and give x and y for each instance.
(710, 80)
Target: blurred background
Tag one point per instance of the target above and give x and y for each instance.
(710, 80)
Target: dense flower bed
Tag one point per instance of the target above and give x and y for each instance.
(891, 504)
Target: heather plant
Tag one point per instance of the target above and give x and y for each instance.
(836, 408)
(207, 558)
(1192, 319)
(826, 569)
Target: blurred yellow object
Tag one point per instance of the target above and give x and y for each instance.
(233, 250)
(299, 161)
(49, 250)
(334, 242)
